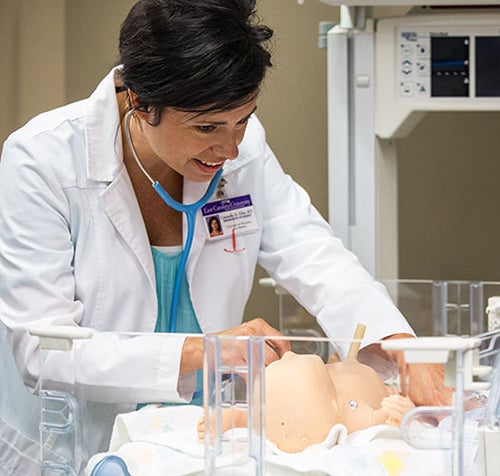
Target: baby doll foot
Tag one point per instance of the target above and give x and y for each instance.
(396, 406)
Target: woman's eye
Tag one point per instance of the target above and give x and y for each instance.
(244, 122)
(206, 129)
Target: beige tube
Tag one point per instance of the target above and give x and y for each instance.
(359, 333)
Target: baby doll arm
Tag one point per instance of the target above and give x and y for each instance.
(231, 418)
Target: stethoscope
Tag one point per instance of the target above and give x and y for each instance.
(189, 210)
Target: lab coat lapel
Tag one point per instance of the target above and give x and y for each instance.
(122, 208)
(105, 164)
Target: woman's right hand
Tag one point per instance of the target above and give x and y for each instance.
(234, 351)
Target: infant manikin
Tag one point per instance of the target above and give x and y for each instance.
(305, 398)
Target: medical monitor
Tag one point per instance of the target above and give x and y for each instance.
(447, 61)
(437, 61)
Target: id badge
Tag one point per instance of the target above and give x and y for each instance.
(229, 216)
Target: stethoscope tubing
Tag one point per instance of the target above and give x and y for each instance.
(189, 210)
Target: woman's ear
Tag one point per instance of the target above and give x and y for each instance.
(144, 113)
(134, 99)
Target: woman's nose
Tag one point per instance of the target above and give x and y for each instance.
(227, 146)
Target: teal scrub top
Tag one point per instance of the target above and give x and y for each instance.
(166, 265)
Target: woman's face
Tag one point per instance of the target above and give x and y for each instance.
(194, 145)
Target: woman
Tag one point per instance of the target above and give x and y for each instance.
(91, 214)
(214, 227)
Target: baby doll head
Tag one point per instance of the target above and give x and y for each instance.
(301, 402)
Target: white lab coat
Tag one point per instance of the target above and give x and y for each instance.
(74, 251)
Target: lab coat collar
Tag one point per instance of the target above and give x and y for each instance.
(102, 131)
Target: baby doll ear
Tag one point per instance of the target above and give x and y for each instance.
(334, 358)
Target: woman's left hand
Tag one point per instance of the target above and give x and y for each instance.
(427, 385)
(426, 381)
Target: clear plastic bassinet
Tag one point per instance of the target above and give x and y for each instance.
(76, 427)
(454, 439)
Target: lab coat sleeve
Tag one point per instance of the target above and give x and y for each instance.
(300, 251)
(37, 288)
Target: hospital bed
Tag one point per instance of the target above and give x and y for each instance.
(76, 429)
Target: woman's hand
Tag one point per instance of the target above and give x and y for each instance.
(426, 381)
(427, 384)
(234, 351)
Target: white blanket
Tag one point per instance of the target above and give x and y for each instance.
(156, 441)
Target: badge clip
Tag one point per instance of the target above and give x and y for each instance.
(234, 250)
(221, 191)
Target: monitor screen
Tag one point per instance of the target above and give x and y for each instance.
(450, 66)
(488, 66)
